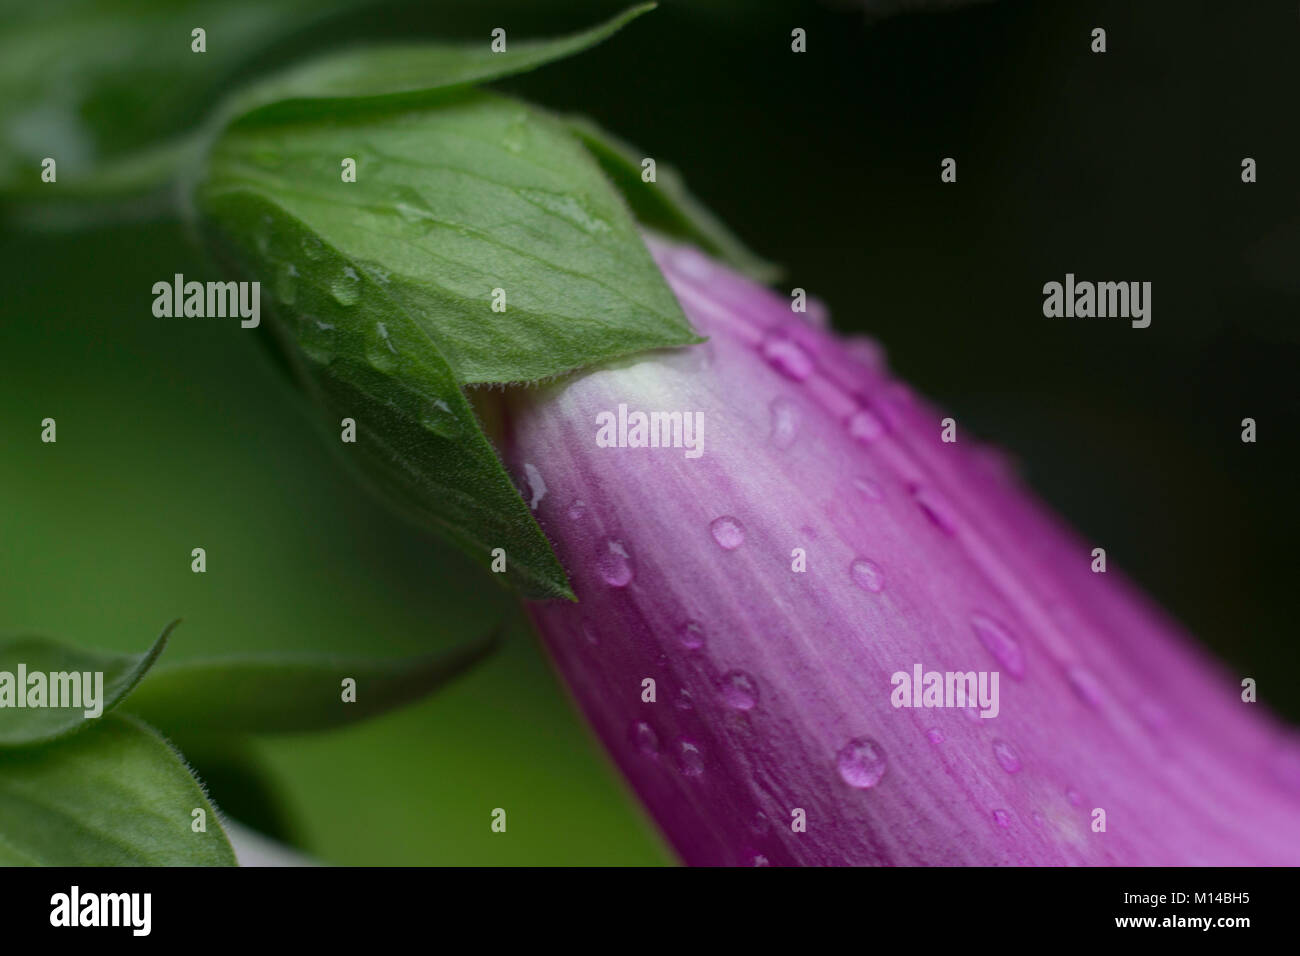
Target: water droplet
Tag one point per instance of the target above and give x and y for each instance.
(1006, 757)
(615, 565)
(864, 427)
(936, 508)
(787, 357)
(440, 419)
(867, 575)
(566, 207)
(577, 510)
(867, 351)
(868, 488)
(1005, 649)
(1002, 818)
(689, 759)
(536, 485)
(644, 738)
(684, 700)
(758, 859)
(286, 288)
(590, 634)
(691, 635)
(934, 736)
(728, 532)
(380, 352)
(346, 289)
(759, 824)
(1074, 797)
(739, 690)
(416, 213)
(317, 353)
(313, 248)
(861, 763)
(785, 422)
(1085, 685)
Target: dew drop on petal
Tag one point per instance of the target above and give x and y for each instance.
(689, 759)
(785, 422)
(1005, 649)
(787, 357)
(644, 738)
(691, 635)
(1073, 796)
(684, 700)
(577, 510)
(934, 736)
(861, 763)
(589, 634)
(867, 575)
(1085, 685)
(1002, 818)
(739, 690)
(728, 532)
(759, 824)
(614, 565)
(935, 507)
(1006, 757)
(866, 351)
(868, 488)
(864, 427)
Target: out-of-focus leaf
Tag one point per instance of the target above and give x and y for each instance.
(88, 81)
(40, 656)
(359, 78)
(281, 695)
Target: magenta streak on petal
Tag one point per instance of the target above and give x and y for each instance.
(773, 686)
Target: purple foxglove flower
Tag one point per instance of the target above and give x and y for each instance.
(819, 541)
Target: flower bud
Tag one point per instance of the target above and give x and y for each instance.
(810, 630)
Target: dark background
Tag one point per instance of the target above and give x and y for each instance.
(1122, 166)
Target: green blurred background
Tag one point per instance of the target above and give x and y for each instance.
(181, 434)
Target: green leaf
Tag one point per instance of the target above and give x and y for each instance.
(38, 655)
(118, 795)
(666, 204)
(384, 287)
(291, 694)
(88, 81)
(398, 72)
(453, 200)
